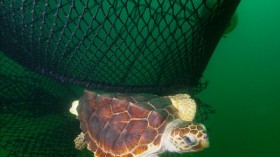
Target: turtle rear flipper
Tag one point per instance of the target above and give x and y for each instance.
(80, 142)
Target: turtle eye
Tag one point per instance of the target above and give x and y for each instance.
(190, 140)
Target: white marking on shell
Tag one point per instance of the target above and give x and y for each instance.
(73, 109)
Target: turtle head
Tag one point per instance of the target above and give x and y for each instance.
(188, 137)
(183, 135)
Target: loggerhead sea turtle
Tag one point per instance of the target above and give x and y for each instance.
(137, 125)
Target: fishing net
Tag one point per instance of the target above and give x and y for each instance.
(52, 50)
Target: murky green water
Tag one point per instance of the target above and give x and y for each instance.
(244, 87)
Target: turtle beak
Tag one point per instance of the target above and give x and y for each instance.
(203, 143)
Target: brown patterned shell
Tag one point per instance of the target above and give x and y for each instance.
(122, 125)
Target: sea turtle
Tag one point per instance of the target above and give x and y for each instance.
(140, 125)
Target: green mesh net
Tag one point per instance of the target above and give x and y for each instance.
(127, 46)
(52, 50)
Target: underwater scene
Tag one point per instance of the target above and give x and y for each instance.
(228, 83)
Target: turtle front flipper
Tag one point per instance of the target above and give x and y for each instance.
(185, 105)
